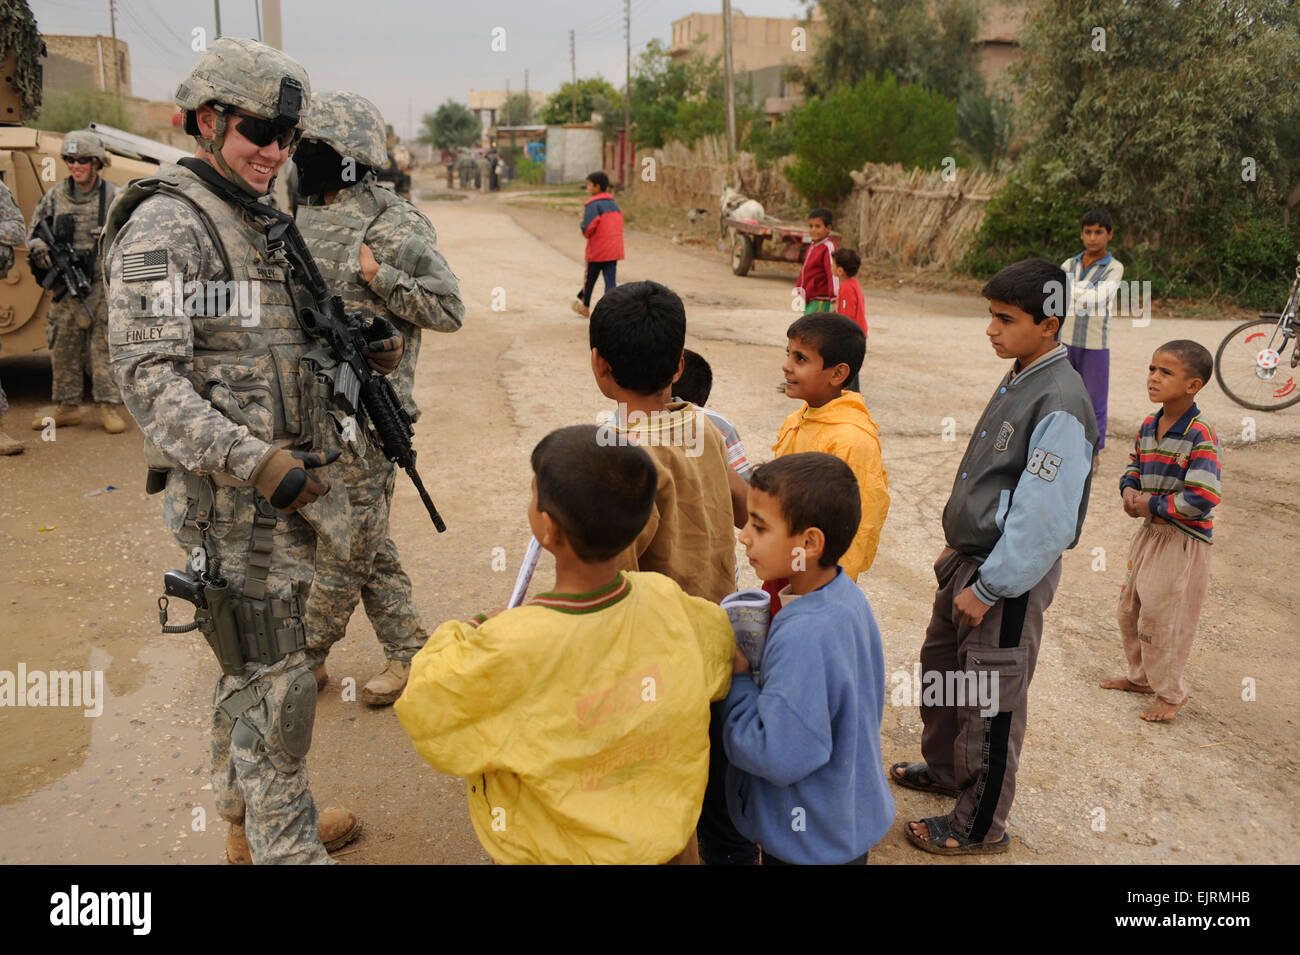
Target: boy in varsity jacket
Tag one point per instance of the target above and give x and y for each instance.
(1017, 504)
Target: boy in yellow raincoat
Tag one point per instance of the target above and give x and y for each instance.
(822, 353)
(580, 720)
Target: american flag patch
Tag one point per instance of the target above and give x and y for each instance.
(144, 266)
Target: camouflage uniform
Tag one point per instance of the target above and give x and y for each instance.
(214, 394)
(74, 345)
(13, 230)
(414, 289)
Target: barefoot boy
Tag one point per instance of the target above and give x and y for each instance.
(1018, 502)
(803, 735)
(580, 721)
(1172, 481)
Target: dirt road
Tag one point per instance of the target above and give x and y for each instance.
(1096, 784)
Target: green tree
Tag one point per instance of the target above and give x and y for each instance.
(594, 95)
(927, 42)
(1180, 117)
(516, 111)
(875, 121)
(452, 126)
(683, 100)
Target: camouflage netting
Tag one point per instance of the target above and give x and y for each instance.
(18, 34)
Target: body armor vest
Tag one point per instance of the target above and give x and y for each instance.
(76, 215)
(334, 234)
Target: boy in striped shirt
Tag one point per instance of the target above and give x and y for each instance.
(1172, 480)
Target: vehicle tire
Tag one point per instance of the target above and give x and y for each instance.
(1239, 372)
(742, 253)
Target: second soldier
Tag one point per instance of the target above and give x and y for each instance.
(380, 254)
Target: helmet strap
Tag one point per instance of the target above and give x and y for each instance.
(214, 145)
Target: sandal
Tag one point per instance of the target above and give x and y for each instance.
(912, 779)
(941, 831)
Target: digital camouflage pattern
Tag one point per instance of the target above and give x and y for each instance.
(414, 289)
(351, 124)
(373, 575)
(212, 394)
(76, 347)
(82, 143)
(13, 230)
(244, 73)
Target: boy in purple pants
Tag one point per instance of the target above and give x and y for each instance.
(1092, 277)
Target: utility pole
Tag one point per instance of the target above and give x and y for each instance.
(573, 71)
(216, 5)
(257, 11)
(112, 26)
(728, 81)
(505, 109)
(627, 100)
(528, 102)
(271, 23)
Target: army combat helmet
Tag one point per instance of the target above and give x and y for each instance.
(351, 125)
(81, 143)
(239, 74)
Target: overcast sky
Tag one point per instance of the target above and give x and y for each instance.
(407, 56)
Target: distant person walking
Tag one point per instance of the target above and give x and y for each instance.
(602, 224)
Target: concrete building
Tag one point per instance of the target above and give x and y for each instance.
(487, 104)
(80, 62)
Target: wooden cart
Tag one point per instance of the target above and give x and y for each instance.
(769, 240)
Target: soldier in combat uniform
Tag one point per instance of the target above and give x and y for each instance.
(77, 208)
(12, 232)
(234, 409)
(380, 254)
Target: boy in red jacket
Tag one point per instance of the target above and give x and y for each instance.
(816, 278)
(602, 224)
(849, 301)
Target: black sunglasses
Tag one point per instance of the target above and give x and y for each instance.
(261, 132)
(78, 160)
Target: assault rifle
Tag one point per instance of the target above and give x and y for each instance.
(65, 264)
(356, 385)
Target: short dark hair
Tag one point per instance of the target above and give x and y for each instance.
(599, 180)
(1036, 286)
(1195, 357)
(1099, 217)
(821, 213)
(599, 492)
(814, 490)
(836, 337)
(640, 329)
(848, 260)
(696, 383)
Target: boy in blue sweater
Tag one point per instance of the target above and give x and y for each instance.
(803, 734)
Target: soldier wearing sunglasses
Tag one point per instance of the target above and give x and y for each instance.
(76, 209)
(239, 426)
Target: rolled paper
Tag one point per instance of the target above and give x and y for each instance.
(526, 573)
(750, 614)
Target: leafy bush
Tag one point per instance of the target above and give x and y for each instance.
(875, 121)
(64, 112)
(533, 173)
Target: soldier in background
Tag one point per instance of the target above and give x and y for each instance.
(77, 208)
(12, 232)
(236, 415)
(380, 254)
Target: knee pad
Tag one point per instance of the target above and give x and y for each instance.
(297, 713)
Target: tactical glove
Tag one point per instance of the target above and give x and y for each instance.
(283, 478)
(384, 346)
(42, 258)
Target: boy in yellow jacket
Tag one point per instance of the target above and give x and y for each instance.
(822, 353)
(580, 720)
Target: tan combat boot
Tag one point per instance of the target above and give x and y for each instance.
(322, 677)
(7, 444)
(65, 416)
(387, 685)
(335, 828)
(113, 422)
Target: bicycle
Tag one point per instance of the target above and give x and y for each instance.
(1262, 356)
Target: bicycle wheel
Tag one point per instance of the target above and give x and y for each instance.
(1256, 366)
